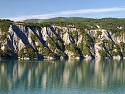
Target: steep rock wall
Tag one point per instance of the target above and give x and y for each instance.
(57, 41)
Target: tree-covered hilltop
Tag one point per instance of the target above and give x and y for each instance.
(115, 25)
(72, 37)
(111, 24)
(5, 24)
(79, 22)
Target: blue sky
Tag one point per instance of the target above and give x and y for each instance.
(43, 9)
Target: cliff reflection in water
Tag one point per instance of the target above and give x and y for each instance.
(41, 75)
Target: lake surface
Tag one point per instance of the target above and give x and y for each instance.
(62, 77)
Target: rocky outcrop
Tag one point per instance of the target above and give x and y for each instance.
(56, 41)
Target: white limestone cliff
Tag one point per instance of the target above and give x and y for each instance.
(20, 36)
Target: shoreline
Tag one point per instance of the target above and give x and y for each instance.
(71, 58)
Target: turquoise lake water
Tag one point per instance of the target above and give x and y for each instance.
(62, 77)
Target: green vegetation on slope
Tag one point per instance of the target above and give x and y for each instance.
(112, 24)
(56, 47)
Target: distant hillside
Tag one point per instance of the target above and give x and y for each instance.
(63, 19)
(111, 24)
(34, 20)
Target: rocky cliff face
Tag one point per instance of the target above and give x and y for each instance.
(62, 42)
